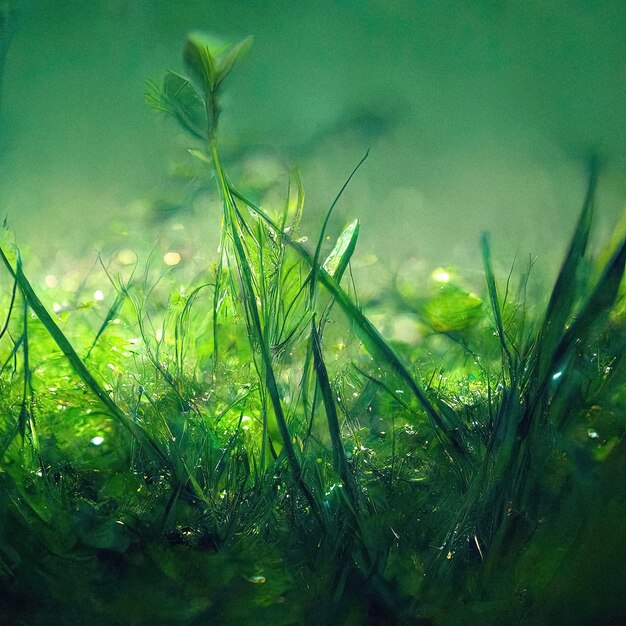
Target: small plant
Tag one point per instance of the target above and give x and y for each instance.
(254, 450)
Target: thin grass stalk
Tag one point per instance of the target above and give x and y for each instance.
(561, 299)
(320, 239)
(26, 408)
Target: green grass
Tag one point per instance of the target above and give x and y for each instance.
(252, 449)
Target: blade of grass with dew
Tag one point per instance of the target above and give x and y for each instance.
(599, 303)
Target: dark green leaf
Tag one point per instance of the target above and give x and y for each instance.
(180, 99)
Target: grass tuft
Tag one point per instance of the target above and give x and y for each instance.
(253, 448)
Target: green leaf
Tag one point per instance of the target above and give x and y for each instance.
(226, 61)
(337, 261)
(180, 99)
(199, 56)
(210, 59)
(201, 156)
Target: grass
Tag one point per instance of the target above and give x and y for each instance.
(252, 450)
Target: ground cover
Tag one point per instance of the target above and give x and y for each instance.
(252, 448)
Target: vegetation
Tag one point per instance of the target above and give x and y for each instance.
(253, 450)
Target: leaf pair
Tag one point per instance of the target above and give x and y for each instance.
(194, 106)
(210, 60)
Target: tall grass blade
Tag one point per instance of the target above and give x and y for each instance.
(562, 297)
(599, 303)
(494, 301)
(340, 462)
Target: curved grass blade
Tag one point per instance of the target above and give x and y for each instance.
(494, 301)
(112, 313)
(320, 239)
(11, 305)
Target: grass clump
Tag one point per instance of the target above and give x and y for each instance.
(252, 449)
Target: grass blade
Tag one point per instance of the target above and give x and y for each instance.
(320, 239)
(494, 301)
(562, 297)
(256, 332)
(340, 462)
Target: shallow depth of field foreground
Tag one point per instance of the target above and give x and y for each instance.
(274, 438)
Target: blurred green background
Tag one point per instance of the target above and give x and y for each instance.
(479, 115)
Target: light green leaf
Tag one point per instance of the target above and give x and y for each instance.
(226, 61)
(337, 261)
(210, 59)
